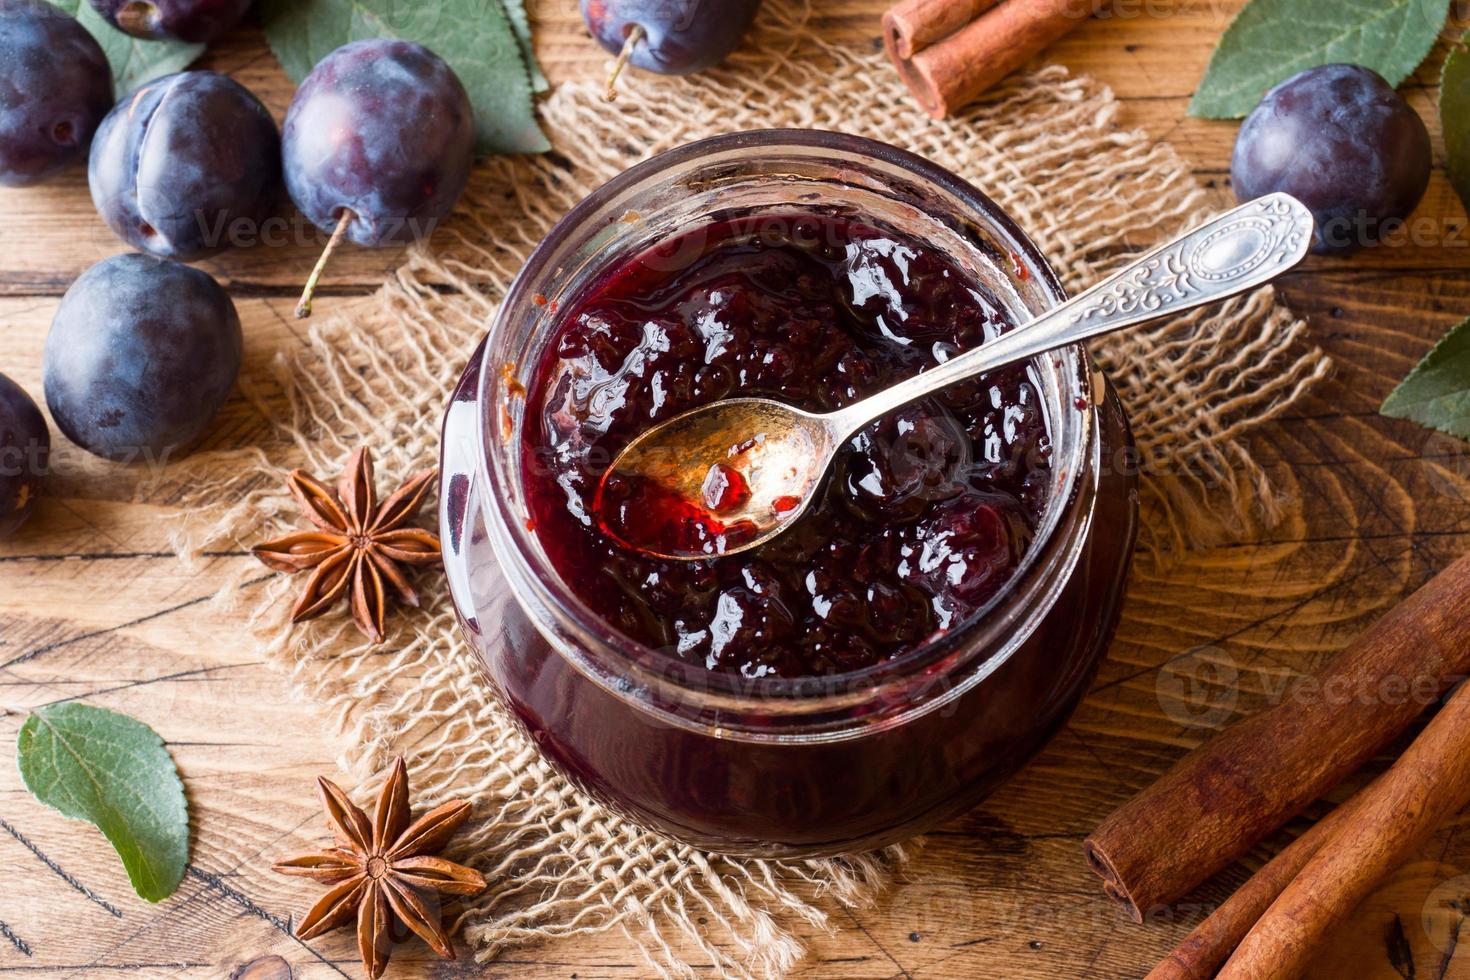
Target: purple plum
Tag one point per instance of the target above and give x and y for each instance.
(195, 21)
(140, 357)
(679, 37)
(381, 135)
(25, 445)
(1343, 142)
(181, 162)
(55, 87)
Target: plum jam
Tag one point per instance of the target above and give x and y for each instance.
(930, 618)
(926, 514)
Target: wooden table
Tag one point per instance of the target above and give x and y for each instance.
(93, 606)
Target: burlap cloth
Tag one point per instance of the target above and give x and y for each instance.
(1046, 146)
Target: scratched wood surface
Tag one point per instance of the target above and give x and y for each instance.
(93, 607)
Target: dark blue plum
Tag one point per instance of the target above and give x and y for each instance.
(1343, 142)
(680, 37)
(55, 87)
(186, 164)
(382, 134)
(196, 21)
(140, 358)
(25, 445)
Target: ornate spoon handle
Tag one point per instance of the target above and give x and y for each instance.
(1231, 253)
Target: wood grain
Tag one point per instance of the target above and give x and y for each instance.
(93, 606)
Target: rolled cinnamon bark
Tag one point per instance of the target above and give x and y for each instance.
(1207, 948)
(913, 25)
(947, 74)
(1428, 784)
(1224, 797)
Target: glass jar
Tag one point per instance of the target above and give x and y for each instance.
(785, 767)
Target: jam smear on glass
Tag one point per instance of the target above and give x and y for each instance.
(925, 515)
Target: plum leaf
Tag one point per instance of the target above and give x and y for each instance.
(1271, 40)
(114, 772)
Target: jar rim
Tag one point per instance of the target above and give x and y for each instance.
(638, 667)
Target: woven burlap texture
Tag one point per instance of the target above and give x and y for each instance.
(1046, 146)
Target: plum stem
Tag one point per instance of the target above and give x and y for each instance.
(634, 36)
(140, 19)
(303, 308)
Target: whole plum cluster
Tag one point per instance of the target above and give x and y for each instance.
(143, 351)
(376, 149)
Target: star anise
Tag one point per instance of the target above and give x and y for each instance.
(360, 545)
(384, 869)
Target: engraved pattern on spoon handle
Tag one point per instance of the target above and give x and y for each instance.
(1229, 254)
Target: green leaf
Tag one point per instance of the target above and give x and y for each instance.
(107, 768)
(1454, 116)
(477, 38)
(1437, 392)
(1271, 40)
(521, 24)
(134, 62)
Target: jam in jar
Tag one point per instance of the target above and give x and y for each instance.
(926, 513)
(916, 635)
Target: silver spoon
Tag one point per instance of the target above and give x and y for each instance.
(746, 468)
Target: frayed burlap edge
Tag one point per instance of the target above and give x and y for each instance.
(1047, 147)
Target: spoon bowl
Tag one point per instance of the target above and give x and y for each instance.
(729, 476)
(716, 480)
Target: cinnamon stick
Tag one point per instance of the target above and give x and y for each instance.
(1428, 784)
(1224, 797)
(951, 72)
(1207, 948)
(913, 25)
